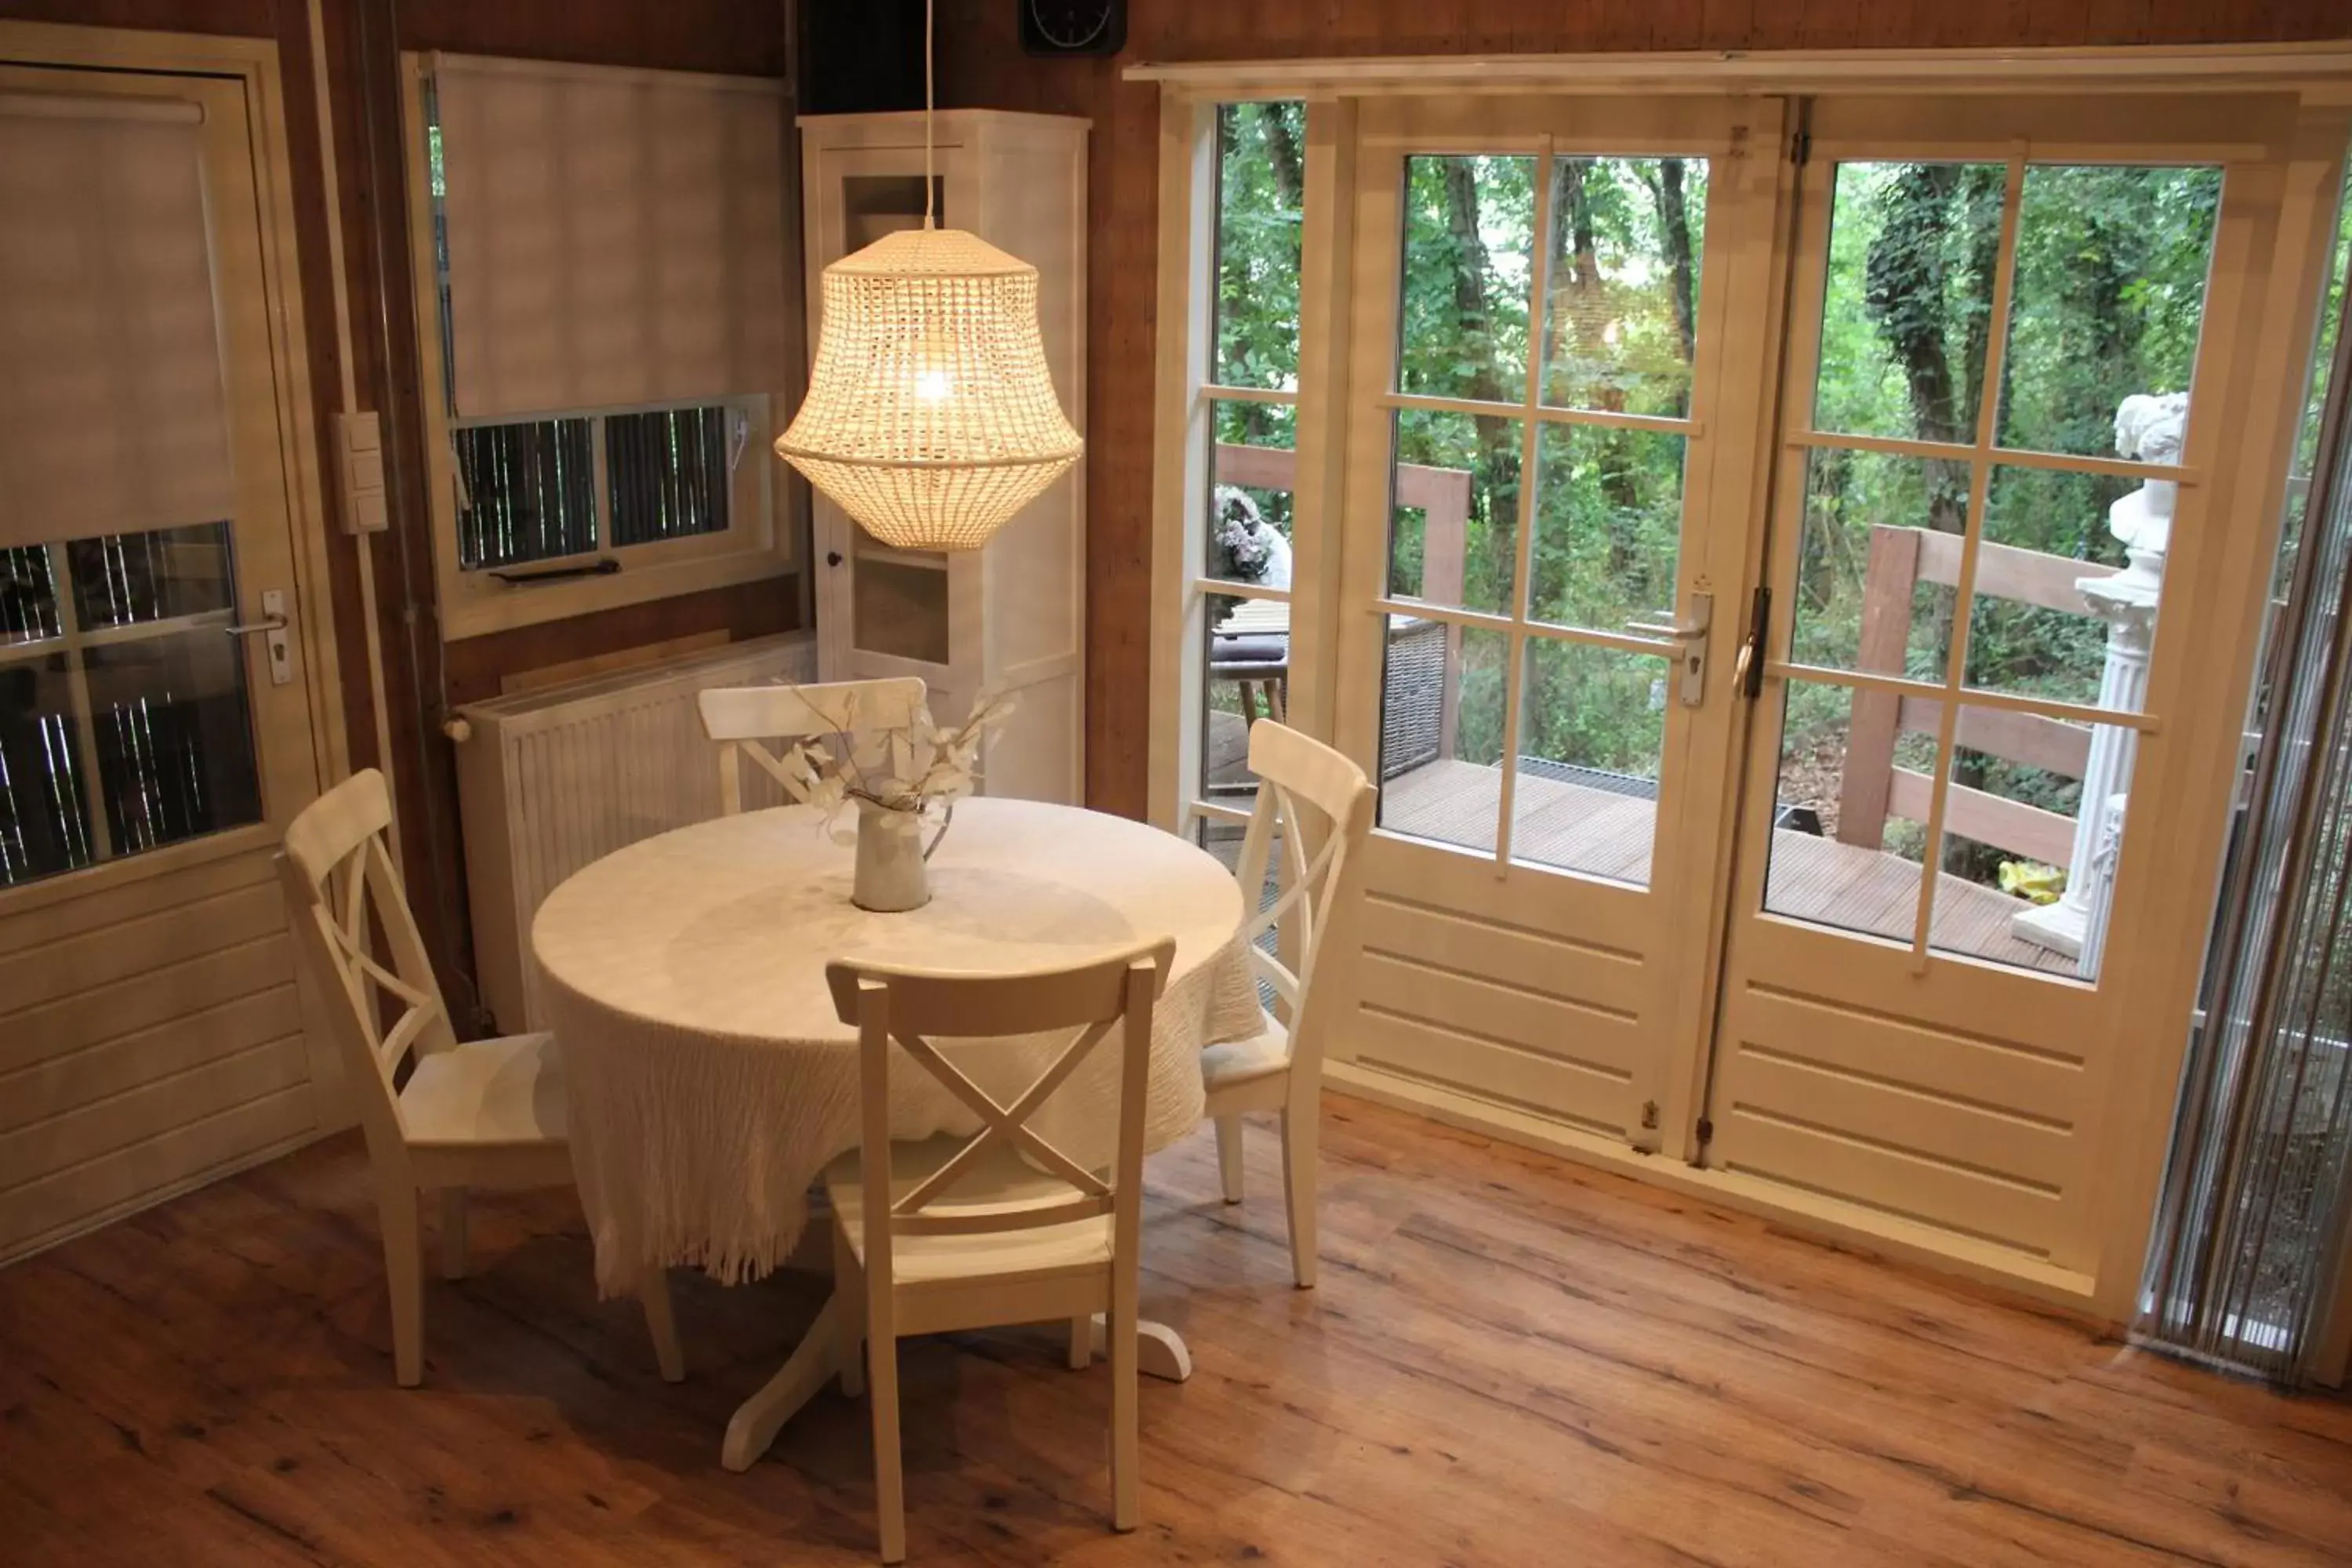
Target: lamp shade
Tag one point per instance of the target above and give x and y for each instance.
(931, 415)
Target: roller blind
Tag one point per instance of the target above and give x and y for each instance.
(614, 238)
(113, 418)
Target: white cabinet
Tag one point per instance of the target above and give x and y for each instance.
(1011, 614)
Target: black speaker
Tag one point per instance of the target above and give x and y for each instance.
(861, 57)
(1073, 26)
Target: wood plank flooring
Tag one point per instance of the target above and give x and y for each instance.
(1810, 878)
(1511, 1361)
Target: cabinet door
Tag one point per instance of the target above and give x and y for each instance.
(879, 611)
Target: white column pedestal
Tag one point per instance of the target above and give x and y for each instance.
(2126, 602)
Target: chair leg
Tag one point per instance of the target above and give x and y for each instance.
(404, 1274)
(890, 1480)
(1229, 1157)
(1125, 1509)
(1299, 1138)
(663, 1326)
(453, 1233)
(849, 1290)
(1082, 1341)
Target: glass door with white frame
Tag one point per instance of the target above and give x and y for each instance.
(1996, 561)
(1544, 506)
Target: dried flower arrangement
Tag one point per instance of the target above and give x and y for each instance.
(909, 771)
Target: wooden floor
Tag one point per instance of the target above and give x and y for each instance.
(1810, 878)
(1511, 1361)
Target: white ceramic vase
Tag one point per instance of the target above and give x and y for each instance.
(890, 855)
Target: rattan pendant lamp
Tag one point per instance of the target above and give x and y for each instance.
(931, 415)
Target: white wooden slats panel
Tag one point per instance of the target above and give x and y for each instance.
(93, 1131)
(1490, 1069)
(2013, 1147)
(95, 1072)
(114, 411)
(1970, 1069)
(80, 1197)
(616, 237)
(156, 999)
(1602, 979)
(1856, 1169)
(112, 906)
(62, 969)
(149, 1036)
(1533, 1020)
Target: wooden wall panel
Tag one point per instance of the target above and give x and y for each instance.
(982, 66)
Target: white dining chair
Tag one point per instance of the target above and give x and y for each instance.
(1308, 795)
(742, 718)
(1003, 1227)
(484, 1113)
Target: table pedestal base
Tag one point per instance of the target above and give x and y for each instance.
(1160, 1352)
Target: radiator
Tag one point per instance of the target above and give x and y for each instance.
(549, 781)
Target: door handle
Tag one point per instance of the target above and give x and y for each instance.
(1691, 632)
(271, 628)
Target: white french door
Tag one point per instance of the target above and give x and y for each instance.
(157, 683)
(1548, 452)
(2011, 547)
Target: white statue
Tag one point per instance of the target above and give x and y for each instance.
(2148, 429)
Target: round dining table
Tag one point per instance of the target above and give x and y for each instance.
(710, 1080)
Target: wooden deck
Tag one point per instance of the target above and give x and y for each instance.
(1602, 833)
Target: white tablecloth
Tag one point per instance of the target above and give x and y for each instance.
(708, 1077)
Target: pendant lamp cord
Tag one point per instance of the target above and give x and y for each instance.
(930, 186)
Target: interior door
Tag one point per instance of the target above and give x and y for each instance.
(156, 719)
(1546, 499)
(2006, 391)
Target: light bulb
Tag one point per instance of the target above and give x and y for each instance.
(933, 385)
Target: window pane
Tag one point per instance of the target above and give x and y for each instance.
(671, 471)
(2021, 885)
(1253, 470)
(1847, 839)
(2056, 613)
(2108, 301)
(121, 579)
(1248, 665)
(43, 812)
(1261, 198)
(530, 493)
(174, 741)
(1880, 554)
(1913, 250)
(1454, 529)
(1592, 728)
(1621, 322)
(1609, 523)
(1442, 732)
(28, 595)
(1469, 251)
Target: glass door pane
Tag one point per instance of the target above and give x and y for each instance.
(1537, 511)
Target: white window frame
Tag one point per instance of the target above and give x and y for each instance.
(1184, 403)
(765, 514)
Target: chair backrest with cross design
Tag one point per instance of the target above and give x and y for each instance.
(1108, 1001)
(1314, 809)
(742, 719)
(339, 877)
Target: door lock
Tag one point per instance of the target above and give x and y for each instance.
(271, 628)
(1691, 632)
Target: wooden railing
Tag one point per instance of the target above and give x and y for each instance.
(1443, 497)
(1871, 787)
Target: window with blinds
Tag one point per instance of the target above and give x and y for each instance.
(610, 249)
